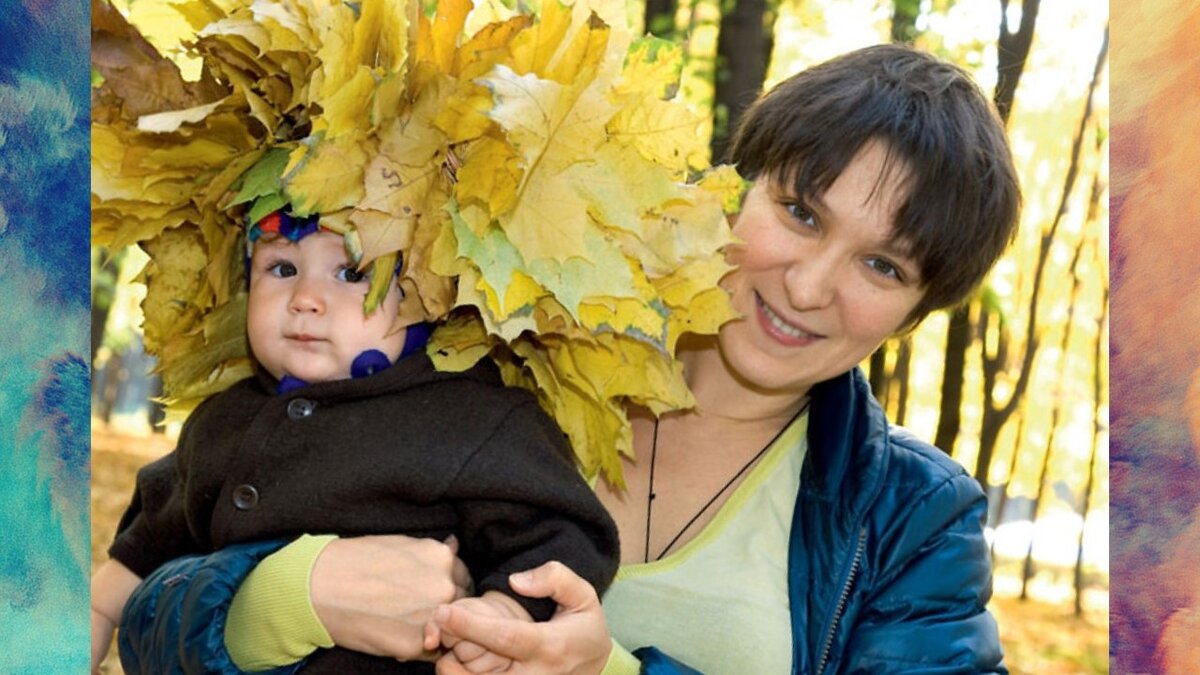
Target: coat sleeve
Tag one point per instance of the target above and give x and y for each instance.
(175, 620)
(154, 527)
(157, 524)
(925, 610)
(522, 502)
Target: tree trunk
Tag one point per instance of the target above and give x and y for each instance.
(1091, 479)
(994, 416)
(1002, 501)
(877, 377)
(900, 378)
(1012, 50)
(1027, 568)
(1063, 348)
(104, 285)
(1097, 423)
(958, 339)
(958, 333)
(904, 21)
(660, 18)
(740, 68)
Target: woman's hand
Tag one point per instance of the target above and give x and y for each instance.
(375, 594)
(575, 641)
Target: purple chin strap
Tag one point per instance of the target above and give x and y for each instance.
(371, 361)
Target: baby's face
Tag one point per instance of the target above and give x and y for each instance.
(305, 314)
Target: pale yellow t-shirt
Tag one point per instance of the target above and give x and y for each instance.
(720, 603)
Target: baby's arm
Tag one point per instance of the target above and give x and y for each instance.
(472, 656)
(112, 585)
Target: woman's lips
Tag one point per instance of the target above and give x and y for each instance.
(782, 331)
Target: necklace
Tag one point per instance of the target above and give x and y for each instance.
(713, 499)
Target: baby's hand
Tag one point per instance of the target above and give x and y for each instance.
(470, 655)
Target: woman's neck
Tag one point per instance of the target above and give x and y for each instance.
(721, 393)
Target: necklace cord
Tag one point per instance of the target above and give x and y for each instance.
(713, 499)
(650, 493)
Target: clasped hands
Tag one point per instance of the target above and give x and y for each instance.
(402, 597)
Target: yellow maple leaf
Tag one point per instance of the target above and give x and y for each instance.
(458, 343)
(437, 39)
(175, 285)
(490, 175)
(490, 45)
(552, 126)
(534, 49)
(726, 185)
(187, 361)
(328, 176)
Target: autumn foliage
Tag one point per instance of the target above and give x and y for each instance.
(530, 172)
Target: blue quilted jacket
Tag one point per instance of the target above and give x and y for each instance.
(888, 568)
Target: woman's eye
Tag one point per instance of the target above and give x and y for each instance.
(885, 268)
(350, 275)
(282, 268)
(801, 214)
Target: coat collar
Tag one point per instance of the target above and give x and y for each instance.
(847, 442)
(411, 371)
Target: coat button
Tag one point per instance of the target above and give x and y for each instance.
(299, 408)
(245, 497)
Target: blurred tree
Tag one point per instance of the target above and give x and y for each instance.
(659, 18)
(904, 21)
(1012, 52)
(1097, 428)
(1027, 569)
(744, 46)
(995, 414)
(105, 269)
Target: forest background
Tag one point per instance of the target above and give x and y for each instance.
(1013, 385)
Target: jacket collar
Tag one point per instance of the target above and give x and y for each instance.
(847, 442)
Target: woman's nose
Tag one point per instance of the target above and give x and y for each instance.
(811, 281)
(306, 298)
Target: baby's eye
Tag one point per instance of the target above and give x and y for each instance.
(801, 214)
(350, 275)
(282, 268)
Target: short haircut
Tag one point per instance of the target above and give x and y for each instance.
(963, 198)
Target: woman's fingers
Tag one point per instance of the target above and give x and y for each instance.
(459, 573)
(517, 640)
(556, 581)
(575, 641)
(375, 594)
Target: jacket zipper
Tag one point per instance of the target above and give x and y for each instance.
(841, 603)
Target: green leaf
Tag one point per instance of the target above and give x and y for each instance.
(265, 205)
(263, 178)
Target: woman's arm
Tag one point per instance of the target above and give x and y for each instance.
(927, 608)
(373, 593)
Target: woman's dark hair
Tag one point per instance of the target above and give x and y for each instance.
(963, 197)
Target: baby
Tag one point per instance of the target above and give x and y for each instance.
(347, 428)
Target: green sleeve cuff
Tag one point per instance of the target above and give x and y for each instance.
(271, 621)
(621, 662)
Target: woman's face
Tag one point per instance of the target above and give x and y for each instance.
(819, 283)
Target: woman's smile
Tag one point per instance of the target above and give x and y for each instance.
(787, 333)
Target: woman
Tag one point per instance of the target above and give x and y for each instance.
(782, 525)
